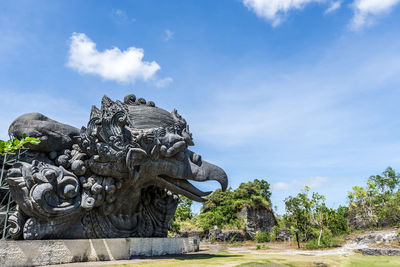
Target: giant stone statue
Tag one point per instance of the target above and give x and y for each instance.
(118, 177)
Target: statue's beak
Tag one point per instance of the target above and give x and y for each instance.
(193, 168)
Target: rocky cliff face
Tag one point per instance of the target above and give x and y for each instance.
(257, 219)
(363, 219)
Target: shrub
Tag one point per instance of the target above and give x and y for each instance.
(272, 236)
(188, 226)
(262, 247)
(274, 232)
(326, 240)
(261, 237)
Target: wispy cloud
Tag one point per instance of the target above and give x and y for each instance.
(168, 35)
(276, 10)
(314, 183)
(164, 82)
(365, 11)
(333, 7)
(121, 15)
(111, 64)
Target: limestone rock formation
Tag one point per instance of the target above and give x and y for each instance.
(257, 219)
(120, 176)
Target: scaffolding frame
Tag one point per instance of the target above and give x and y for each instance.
(7, 204)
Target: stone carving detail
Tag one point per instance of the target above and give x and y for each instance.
(120, 176)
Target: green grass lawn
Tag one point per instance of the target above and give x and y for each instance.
(258, 260)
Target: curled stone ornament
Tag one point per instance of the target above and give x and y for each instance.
(120, 176)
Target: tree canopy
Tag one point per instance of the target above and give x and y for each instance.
(221, 208)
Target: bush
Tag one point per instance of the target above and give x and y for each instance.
(272, 236)
(336, 221)
(189, 226)
(326, 240)
(274, 232)
(262, 247)
(328, 243)
(261, 237)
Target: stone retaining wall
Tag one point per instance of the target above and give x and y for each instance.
(45, 252)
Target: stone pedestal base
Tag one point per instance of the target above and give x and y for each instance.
(45, 252)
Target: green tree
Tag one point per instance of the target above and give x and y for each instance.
(301, 211)
(254, 194)
(378, 201)
(184, 209)
(336, 220)
(221, 208)
(315, 222)
(218, 210)
(183, 213)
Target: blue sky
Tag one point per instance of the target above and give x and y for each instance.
(297, 92)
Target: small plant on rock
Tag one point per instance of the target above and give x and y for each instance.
(14, 144)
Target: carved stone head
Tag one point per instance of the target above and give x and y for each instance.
(121, 177)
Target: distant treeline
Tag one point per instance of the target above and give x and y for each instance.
(376, 204)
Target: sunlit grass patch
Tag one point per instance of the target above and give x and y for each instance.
(258, 260)
(265, 263)
(371, 261)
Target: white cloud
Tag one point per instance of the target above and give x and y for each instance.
(281, 186)
(111, 64)
(121, 16)
(164, 82)
(313, 183)
(119, 13)
(275, 10)
(366, 10)
(168, 35)
(333, 7)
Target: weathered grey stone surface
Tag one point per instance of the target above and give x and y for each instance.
(257, 220)
(375, 237)
(284, 235)
(226, 236)
(380, 251)
(200, 235)
(120, 178)
(54, 136)
(46, 252)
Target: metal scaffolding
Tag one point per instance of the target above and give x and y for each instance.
(7, 205)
